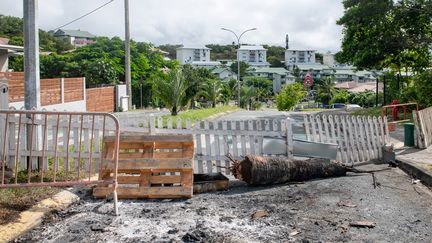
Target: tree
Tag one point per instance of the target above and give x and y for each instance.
(212, 91)
(172, 91)
(326, 90)
(262, 85)
(340, 97)
(243, 67)
(423, 88)
(247, 97)
(384, 33)
(290, 96)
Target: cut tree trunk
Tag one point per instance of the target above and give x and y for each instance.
(258, 170)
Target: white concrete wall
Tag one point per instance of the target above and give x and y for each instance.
(329, 59)
(121, 97)
(70, 106)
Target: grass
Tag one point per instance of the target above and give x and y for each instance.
(427, 167)
(14, 201)
(312, 109)
(197, 115)
(373, 111)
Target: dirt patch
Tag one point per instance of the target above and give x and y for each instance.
(303, 212)
(14, 201)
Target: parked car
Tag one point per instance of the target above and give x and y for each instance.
(337, 106)
(352, 107)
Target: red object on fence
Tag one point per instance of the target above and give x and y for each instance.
(395, 110)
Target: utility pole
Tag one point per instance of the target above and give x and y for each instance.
(127, 56)
(31, 55)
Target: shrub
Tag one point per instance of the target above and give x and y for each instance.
(290, 96)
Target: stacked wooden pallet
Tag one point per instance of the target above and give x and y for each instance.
(150, 166)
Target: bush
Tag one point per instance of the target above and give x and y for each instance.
(290, 96)
(340, 97)
(423, 88)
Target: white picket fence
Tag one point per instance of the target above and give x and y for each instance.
(423, 122)
(214, 140)
(360, 139)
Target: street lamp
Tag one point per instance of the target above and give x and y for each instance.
(238, 59)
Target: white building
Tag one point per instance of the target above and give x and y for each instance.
(329, 60)
(7, 50)
(317, 70)
(77, 38)
(253, 55)
(196, 56)
(224, 73)
(295, 57)
(279, 76)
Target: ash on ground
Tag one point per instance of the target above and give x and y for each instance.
(319, 210)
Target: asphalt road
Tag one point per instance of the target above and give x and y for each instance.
(313, 211)
(271, 114)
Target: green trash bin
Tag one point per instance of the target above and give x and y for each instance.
(409, 134)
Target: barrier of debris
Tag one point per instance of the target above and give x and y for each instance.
(150, 166)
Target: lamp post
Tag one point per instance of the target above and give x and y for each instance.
(238, 37)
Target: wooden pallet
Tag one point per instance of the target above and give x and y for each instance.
(150, 166)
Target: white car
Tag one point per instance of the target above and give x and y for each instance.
(351, 107)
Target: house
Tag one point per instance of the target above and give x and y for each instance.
(6, 51)
(279, 76)
(294, 57)
(224, 73)
(255, 56)
(316, 69)
(77, 38)
(350, 74)
(196, 56)
(356, 87)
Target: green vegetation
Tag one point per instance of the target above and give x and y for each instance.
(373, 111)
(172, 91)
(14, 201)
(212, 91)
(326, 90)
(290, 96)
(387, 33)
(197, 115)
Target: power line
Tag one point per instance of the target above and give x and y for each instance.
(85, 15)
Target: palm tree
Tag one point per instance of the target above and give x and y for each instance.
(172, 91)
(212, 91)
(248, 96)
(326, 90)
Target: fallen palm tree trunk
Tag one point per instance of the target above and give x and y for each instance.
(259, 170)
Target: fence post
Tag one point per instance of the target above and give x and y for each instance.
(4, 94)
(84, 89)
(62, 90)
(4, 103)
(152, 124)
(289, 138)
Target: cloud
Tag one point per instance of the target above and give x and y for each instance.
(310, 23)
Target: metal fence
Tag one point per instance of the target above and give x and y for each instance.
(41, 148)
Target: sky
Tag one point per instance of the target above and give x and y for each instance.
(310, 23)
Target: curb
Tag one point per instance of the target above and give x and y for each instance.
(218, 115)
(34, 216)
(411, 168)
